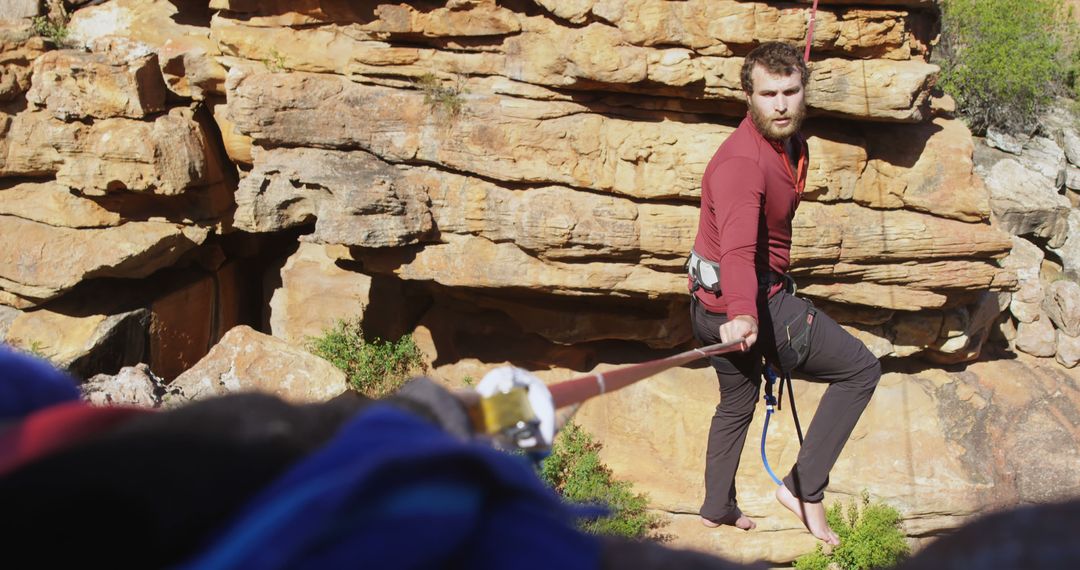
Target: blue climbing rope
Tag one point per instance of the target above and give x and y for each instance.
(772, 403)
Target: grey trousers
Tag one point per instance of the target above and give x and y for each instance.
(834, 357)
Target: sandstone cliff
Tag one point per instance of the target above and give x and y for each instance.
(517, 182)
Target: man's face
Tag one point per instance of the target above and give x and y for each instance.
(777, 106)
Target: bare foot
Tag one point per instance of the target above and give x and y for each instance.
(743, 522)
(811, 514)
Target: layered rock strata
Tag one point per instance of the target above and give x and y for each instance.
(518, 182)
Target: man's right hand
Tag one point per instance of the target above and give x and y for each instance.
(742, 326)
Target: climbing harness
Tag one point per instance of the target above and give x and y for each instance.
(517, 410)
(705, 274)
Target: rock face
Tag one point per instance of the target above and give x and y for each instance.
(980, 425)
(1027, 203)
(85, 344)
(1027, 182)
(315, 291)
(117, 79)
(502, 161)
(519, 182)
(184, 51)
(63, 257)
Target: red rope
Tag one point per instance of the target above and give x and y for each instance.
(577, 390)
(810, 31)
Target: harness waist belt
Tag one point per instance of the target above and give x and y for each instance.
(706, 275)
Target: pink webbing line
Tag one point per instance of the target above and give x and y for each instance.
(577, 390)
(810, 31)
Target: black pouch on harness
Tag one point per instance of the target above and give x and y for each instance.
(793, 338)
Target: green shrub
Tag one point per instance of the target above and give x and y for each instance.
(574, 470)
(444, 100)
(275, 62)
(375, 368)
(53, 30)
(870, 537)
(1005, 60)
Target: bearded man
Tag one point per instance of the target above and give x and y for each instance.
(741, 289)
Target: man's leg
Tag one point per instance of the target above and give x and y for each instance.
(739, 378)
(852, 371)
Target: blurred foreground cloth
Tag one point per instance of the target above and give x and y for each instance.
(394, 491)
(28, 384)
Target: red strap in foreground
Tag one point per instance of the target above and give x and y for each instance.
(577, 390)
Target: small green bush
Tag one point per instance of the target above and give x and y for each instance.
(54, 31)
(374, 368)
(870, 537)
(445, 100)
(574, 470)
(1005, 60)
(275, 62)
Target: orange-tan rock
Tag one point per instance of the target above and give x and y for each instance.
(248, 361)
(54, 204)
(40, 261)
(353, 198)
(315, 293)
(120, 78)
(978, 426)
(186, 55)
(18, 50)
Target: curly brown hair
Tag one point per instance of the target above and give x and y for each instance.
(777, 58)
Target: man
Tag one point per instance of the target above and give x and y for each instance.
(749, 194)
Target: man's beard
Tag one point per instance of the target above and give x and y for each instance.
(772, 132)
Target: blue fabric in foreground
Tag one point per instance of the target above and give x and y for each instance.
(28, 384)
(394, 491)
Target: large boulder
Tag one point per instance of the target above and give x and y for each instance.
(1069, 252)
(1068, 350)
(247, 360)
(1027, 203)
(119, 78)
(85, 343)
(131, 386)
(1062, 305)
(16, 9)
(965, 329)
(913, 176)
(354, 198)
(18, 50)
(184, 51)
(1037, 337)
(1025, 260)
(55, 205)
(168, 154)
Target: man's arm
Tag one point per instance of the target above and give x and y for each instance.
(739, 193)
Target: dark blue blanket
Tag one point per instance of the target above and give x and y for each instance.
(28, 384)
(394, 491)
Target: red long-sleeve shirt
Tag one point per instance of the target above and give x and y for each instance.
(748, 198)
